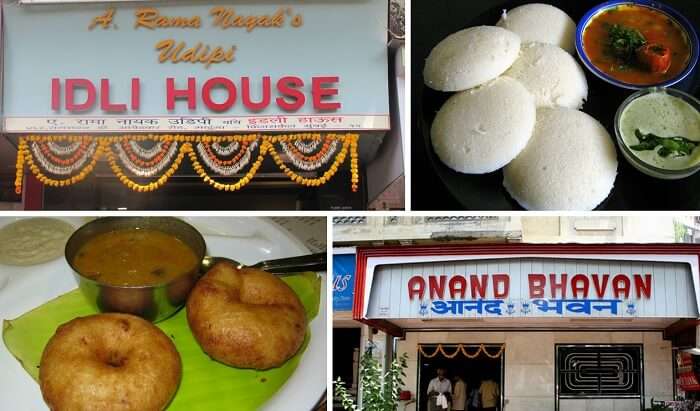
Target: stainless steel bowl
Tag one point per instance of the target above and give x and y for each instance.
(152, 302)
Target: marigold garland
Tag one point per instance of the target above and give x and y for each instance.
(111, 158)
(461, 348)
(225, 155)
(24, 155)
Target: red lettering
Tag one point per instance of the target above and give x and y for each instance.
(416, 287)
(600, 287)
(230, 89)
(437, 289)
(135, 94)
(105, 104)
(536, 284)
(579, 285)
(55, 94)
(501, 285)
(458, 286)
(245, 94)
(642, 285)
(319, 92)
(554, 285)
(621, 286)
(71, 85)
(189, 93)
(288, 86)
(478, 285)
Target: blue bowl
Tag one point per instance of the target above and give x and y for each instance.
(670, 12)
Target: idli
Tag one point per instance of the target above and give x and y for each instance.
(541, 22)
(568, 164)
(552, 75)
(470, 57)
(480, 130)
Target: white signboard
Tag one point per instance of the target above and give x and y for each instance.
(198, 66)
(532, 287)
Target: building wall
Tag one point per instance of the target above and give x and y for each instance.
(529, 365)
(658, 229)
(538, 229)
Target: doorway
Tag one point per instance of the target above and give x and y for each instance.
(475, 363)
(346, 357)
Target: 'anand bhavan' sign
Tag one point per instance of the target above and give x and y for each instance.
(553, 292)
(532, 287)
(308, 66)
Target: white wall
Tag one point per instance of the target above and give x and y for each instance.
(529, 363)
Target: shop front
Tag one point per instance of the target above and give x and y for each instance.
(268, 105)
(536, 327)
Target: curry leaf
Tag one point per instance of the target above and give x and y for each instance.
(677, 146)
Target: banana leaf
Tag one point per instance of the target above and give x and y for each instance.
(206, 384)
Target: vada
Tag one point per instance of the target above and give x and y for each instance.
(109, 362)
(246, 318)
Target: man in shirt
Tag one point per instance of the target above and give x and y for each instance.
(459, 396)
(490, 395)
(438, 385)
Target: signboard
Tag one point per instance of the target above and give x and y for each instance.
(199, 66)
(343, 281)
(532, 287)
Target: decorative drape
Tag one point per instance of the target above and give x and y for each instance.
(60, 161)
(461, 348)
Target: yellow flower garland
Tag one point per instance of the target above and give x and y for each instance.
(461, 348)
(310, 182)
(349, 141)
(230, 187)
(142, 188)
(24, 155)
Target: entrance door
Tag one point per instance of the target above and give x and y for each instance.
(474, 363)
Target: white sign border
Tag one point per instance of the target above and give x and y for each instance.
(373, 262)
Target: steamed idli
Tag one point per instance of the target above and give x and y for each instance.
(552, 75)
(470, 57)
(568, 164)
(480, 130)
(542, 23)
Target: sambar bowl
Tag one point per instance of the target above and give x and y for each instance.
(152, 302)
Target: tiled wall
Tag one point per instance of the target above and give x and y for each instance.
(529, 374)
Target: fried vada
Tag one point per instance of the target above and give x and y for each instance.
(246, 318)
(109, 362)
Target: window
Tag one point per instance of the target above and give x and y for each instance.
(586, 371)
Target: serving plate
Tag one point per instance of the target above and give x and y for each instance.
(632, 191)
(246, 239)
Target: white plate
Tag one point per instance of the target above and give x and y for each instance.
(246, 239)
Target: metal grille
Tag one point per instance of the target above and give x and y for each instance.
(349, 220)
(599, 371)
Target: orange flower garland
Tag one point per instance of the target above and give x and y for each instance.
(266, 146)
(43, 146)
(141, 163)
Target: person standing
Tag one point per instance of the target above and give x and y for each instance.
(459, 395)
(474, 400)
(438, 386)
(490, 395)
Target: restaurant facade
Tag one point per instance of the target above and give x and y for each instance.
(271, 103)
(556, 326)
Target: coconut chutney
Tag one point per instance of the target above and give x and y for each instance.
(33, 240)
(663, 115)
